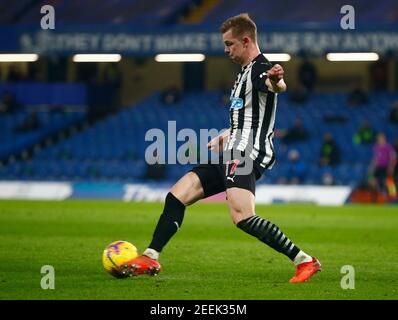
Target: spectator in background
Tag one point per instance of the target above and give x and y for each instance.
(296, 133)
(85, 72)
(394, 113)
(328, 179)
(308, 75)
(155, 171)
(365, 134)
(396, 166)
(357, 97)
(30, 123)
(171, 95)
(379, 75)
(14, 74)
(334, 118)
(299, 95)
(112, 75)
(9, 103)
(330, 152)
(383, 162)
(112, 82)
(297, 170)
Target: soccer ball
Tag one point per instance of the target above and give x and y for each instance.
(116, 254)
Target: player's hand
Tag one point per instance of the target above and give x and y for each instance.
(275, 74)
(216, 144)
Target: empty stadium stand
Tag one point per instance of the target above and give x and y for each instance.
(113, 149)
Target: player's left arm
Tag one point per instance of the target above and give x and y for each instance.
(217, 143)
(274, 81)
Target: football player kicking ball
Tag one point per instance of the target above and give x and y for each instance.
(247, 151)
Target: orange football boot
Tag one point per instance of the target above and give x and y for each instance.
(306, 270)
(140, 265)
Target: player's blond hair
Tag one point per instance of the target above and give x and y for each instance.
(241, 25)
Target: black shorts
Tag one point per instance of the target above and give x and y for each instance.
(216, 178)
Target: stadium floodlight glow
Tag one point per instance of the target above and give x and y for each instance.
(352, 56)
(114, 57)
(18, 57)
(278, 56)
(180, 57)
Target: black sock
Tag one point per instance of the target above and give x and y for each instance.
(169, 222)
(270, 234)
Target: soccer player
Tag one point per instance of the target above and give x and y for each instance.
(247, 151)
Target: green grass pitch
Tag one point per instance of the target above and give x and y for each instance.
(208, 258)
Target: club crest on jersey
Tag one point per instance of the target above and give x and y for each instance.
(236, 103)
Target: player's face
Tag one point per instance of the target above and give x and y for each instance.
(233, 47)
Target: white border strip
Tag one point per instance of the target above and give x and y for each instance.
(35, 190)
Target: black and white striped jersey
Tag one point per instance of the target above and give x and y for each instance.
(252, 113)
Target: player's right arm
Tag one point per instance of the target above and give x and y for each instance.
(217, 143)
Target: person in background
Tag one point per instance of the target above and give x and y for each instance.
(391, 181)
(393, 117)
(9, 103)
(296, 133)
(299, 94)
(328, 179)
(31, 123)
(365, 134)
(383, 162)
(308, 75)
(171, 95)
(395, 145)
(155, 171)
(297, 170)
(357, 97)
(330, 152)
(14, 74)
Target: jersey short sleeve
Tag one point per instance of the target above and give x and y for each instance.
(259, 73)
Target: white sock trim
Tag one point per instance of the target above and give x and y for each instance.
(151, 253)
(301, 257)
